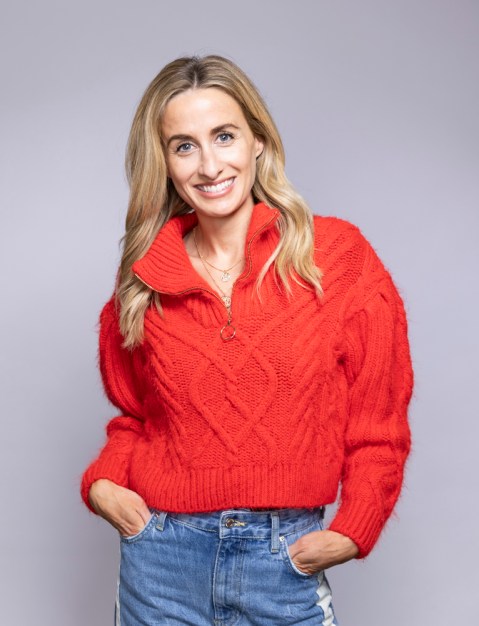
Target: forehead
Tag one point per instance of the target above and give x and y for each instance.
(197, 109)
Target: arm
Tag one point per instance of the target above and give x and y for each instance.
(377, 438)
(119, 370)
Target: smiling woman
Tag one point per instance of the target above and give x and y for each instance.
(259, 358)
(211, 153)
(211, 159)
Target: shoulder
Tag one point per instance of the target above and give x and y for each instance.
(347, 258)
(339, 243)
(109, 312)
(110, 338)
(109, 325)
(334, 231)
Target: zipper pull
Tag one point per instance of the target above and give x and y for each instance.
(228, 331)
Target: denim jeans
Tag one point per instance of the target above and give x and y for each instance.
(226, 568)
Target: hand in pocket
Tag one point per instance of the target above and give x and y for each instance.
(321, 549)
(123, 508)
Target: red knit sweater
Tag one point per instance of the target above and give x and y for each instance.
(308, 394)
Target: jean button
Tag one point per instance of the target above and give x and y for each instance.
(229, 522)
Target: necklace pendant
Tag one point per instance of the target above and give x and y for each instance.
(226, 300)
(225, 276)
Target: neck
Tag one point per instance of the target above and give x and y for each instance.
(223, 240)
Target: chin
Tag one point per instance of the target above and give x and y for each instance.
(220, 207)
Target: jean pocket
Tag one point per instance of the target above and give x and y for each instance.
(289, 561)
(141, 534)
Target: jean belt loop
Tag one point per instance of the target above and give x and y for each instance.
(274, 531)
(160, 522)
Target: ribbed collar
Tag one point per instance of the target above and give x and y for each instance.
(166, 267)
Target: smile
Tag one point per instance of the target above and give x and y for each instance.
(216, 188)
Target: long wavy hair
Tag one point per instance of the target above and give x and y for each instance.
(154, 200)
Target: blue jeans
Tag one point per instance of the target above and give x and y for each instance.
(226, 568)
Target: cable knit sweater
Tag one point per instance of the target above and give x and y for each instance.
(310, 393)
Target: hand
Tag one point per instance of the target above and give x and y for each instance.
(321, 549)
(122, 508)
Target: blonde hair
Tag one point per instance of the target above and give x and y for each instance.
(154, 200)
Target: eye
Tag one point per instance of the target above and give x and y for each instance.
(184, 147)
(225, 137)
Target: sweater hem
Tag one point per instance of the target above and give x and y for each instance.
(213, 489)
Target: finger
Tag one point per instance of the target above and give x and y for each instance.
(125, 517)
(131, 525)
(145, 514)
(141, 507)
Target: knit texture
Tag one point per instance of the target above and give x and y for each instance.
(309, 394)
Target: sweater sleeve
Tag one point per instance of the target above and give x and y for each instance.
(377, 438)
(119, 371)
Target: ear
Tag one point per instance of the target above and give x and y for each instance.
(258, 147)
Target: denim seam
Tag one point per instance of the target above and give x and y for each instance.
(183, 523)
(297, 529)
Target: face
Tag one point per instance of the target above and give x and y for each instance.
(210, 152)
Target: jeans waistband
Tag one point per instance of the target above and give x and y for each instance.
(249, 523)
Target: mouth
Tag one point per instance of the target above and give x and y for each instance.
(218, 188)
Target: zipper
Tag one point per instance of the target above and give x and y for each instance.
(248, 255)
(228, 331)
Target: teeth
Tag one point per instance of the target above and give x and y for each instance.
(216, 188)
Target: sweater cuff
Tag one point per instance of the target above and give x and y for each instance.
(114, 468)
(360, 522)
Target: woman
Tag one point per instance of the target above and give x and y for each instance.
(259, 358)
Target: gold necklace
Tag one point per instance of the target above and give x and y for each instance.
(226, 299)
(225, 274)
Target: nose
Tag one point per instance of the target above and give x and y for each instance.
(210, 165)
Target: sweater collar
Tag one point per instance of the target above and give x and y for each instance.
(166, 266)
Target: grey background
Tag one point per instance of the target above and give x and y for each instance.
(377, 103)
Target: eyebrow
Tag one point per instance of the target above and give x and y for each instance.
(214, 131)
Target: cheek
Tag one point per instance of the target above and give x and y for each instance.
(180, 171)
(246, 160)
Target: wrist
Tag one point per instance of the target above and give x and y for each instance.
(348, 546)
